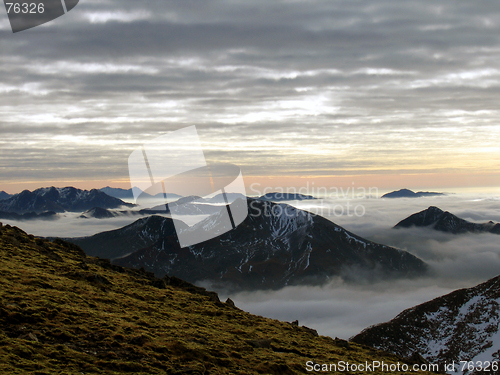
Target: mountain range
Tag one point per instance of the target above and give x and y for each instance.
(190, 205)
(62, 312)
(460, 326)
(129, 193)
(225, 198)
(406, 193)
(279, 197)
(59, 200)
(102, 213)
(276, 245)
(443, 221)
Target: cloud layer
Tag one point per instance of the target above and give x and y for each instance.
(281, 88)
(343, 310)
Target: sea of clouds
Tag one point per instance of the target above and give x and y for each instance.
(343, 310)
(340, 309)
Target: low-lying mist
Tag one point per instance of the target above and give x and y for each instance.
(342, 309)
(339, 309)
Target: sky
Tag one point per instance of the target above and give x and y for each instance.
(383, 93)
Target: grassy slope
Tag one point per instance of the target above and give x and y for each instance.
(64, 313)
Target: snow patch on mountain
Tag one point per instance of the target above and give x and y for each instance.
(461, 326)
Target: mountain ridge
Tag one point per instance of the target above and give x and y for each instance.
(129, 193)
(407, 193)
(4, 195)
(444, 221)
(460, 326)
(59, 200)
(46, 215)
(276, 245)
(279, 197)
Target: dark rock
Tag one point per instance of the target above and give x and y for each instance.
(342, 343)
(417, 358)
(179, 283)
(262, 343)
(311, 331)
(158, 283)
(98, 279)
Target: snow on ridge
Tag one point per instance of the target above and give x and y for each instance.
(479, 317)
(287, 219)
(350, 237)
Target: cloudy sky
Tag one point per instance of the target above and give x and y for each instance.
(382, 93)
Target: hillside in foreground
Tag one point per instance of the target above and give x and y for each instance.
(64, 313)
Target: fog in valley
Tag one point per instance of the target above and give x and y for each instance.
(340, 309)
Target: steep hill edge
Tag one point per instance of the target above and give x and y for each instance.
(460, 326)
(63, 312)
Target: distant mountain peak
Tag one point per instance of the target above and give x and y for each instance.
(434, 209)
(4, 195)
(129, 193)
(98, 213)
(407, 193)
(445, 221)
(188, 199)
